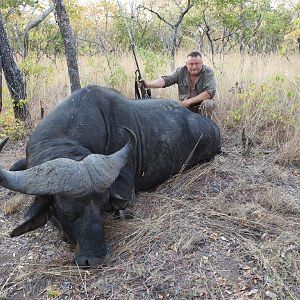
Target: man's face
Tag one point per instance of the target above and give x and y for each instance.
(194, 65)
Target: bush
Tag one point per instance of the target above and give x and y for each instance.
(11, 127)
(117, 75)
(267, 110)
(151, 62)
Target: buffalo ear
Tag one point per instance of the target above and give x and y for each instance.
(122, 191)
(119, 203)
(36, 216)
(19, 165)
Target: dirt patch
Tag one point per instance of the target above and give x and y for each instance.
(228, 229)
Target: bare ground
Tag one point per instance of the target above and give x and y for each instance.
(228, 229)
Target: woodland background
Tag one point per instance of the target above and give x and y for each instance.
(253, 46)
(228, 229)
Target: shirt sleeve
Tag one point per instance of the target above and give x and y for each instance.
(171, 79)
(209, 83)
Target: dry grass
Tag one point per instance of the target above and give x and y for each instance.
(228, 229)
(258, 93)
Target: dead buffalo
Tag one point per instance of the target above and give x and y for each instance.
(80, 161)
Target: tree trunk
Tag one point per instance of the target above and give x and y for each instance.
(0, 84)
(33, 24)
(207, 31)
(175, 28)
(13, 76)
(63, 22)
(173, 48)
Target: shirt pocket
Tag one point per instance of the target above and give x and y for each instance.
(183, 91)
(199, 88)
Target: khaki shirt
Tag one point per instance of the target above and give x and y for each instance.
(205, 81)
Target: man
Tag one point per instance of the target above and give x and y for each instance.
(196, 84)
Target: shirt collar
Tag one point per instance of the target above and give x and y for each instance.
(198, 75)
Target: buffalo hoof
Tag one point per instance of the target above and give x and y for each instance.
(63, 237)
(86, 262)
(125, 214)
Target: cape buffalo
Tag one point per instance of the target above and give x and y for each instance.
(81, 161)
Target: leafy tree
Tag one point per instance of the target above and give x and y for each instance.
(216, 27)
(174, 24)
(33, 23)
(220, 26)
(272, 31)
(46, 40)
(10, 6)
(294, 34)
(97, 33)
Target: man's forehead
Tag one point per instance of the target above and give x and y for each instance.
(194, 58)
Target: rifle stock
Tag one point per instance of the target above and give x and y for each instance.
(140, 91)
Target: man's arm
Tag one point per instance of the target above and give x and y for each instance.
(164, 81)
(197, 99)
(158, 83)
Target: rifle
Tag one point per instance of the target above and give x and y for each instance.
(140, 91)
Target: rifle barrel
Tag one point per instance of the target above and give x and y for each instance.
(136, 61)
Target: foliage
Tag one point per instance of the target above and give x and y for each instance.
(213, 26)
(117, 74)
(15, 4)
(227, 24)
(95, 30)
(273, 29)
(146, 33)
(265, 108)
(9, 126)
(151, 62)
(74, 10)
(46, 40)
(294, 34)
(33, 70)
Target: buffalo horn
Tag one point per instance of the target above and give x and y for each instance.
(63, 176)
(3, 142)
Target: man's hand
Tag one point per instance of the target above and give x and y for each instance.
(186, 103)
(142, 83)
(157, 83)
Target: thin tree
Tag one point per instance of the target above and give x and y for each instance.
(32, 24)
(63, 22)
(0, 84)
(13, 76)
(174, 26)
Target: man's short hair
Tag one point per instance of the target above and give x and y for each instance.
(194, 54)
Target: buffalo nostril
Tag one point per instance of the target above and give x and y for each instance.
(82, 261)
(85, 262)
(96, 261)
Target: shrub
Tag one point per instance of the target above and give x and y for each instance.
(268, 110)
(117, 75)
(151, 62)
(11, 127)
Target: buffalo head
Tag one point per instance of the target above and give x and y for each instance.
(72, 192)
